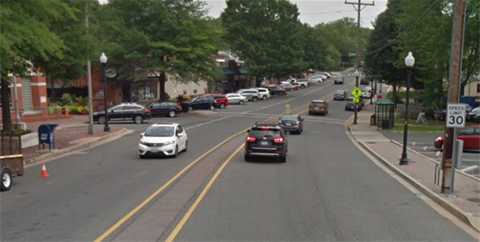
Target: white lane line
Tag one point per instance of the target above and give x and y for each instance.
(209, 122)
(288, 100)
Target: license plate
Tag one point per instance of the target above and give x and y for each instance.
(264, 143)
(288, 124)
(317, 108)
(154, 150)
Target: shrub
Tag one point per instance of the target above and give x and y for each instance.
(16, 132)
(67, 98)
(82, 101)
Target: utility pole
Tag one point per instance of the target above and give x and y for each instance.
(359, 8)
(453, 92)
(89, 76)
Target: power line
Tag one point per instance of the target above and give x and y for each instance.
(327, 12)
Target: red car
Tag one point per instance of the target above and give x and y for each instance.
(470, 136)
(220, 99)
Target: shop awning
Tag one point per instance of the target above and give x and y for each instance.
(225, 71)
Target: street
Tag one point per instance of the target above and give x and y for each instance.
(328, 190)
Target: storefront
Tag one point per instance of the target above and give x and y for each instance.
(142, 91)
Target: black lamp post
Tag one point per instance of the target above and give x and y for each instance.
(409, 61)
(357, 74)
(103, 60)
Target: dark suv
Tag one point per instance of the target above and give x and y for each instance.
(266, 140)
(124, 112)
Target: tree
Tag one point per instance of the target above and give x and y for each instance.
(266, 35)
(149, 36)
(25, 34)
(314, 48)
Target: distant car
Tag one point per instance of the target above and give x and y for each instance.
(163, 140)
(474, 115)
(350, 105)
(364, 81)
(266, 140)
(367, 92)
(169, 109)
(287, 86)
(303, 83)
(470, 136)
(291, 123)
(124, 112)
(277, 90)
(317, 79)
(264, 93)
(339, 80)
(251, 94)
(234, 98)
(340, 95)
(220, 99)
(202, 103)
(318, 107)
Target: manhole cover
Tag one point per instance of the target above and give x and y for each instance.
(474, 200)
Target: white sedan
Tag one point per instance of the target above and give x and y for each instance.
(163, 140)
(234, 98)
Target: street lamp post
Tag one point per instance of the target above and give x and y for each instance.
(357, 74)
(409, 61)
(103, 60)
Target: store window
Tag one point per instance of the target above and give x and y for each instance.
(144, 91)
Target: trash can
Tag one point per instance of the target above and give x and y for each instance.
(184, 106)
(385, 124)
(46, 136)
(373, 120)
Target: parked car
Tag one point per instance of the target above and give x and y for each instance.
(277, 90)
(318, 107)
(474, 115)
(367, 92)
(291, 123)
(340, 95)
(234, 98)
(304, 83)
(470, 136)
(124, 112)
(169, 109)
(163, 140)
(220, 99)
(266, 140)
(317, 79)
(296, 85)
(287, 86)
(264, 93)
(202, 103)
(339, 80)
(251, 94)
(350, 105)
(364, 81)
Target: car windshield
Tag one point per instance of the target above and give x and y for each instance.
(289, 117)
(340, 92)
(160, 131)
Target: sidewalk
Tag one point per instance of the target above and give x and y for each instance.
(464, 204)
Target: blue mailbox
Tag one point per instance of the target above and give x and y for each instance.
(45, 136)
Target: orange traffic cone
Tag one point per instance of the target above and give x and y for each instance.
(44, 171)
(66, 112)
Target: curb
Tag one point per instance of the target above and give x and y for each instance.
(62, 152)
(439, 200)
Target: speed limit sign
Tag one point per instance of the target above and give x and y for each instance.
(455, 115)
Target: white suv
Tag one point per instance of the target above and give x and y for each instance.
(264, 93)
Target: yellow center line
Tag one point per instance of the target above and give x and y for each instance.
(190, 211)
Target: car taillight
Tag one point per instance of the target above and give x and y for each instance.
(279, 140)
(265, 128)
(311, 106)
(251, 139)
(147, 110)
(279, 121)
(179, 107)
(323, 106)
(297, 124)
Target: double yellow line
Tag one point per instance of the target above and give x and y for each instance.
(185, 218)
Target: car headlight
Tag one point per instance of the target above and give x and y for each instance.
(143, 142)
(170, 142)
(437, 139)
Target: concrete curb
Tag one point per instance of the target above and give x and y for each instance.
(439, 200)
(436, 162)
(63, 152)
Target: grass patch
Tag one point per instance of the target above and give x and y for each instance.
(431, 126)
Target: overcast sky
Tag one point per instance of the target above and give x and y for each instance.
(314, 12)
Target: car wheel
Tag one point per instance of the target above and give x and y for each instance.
(441, 148)
(171, 114)
(142, 156)
(175, 153)
(190, 109)
(302, 86)
(101, 120)
(265, 98)
(212, 108)
(222, 105)
(186, 146)
(6, 179)
(138, 119)
(241, 102)
(254, 99)
(246, 157)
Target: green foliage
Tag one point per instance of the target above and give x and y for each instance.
(67, 98)
(15, 132)
(82, 101)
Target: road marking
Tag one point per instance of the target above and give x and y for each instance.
(209, 122)
(190, 211)
(469, 168)
(151, 197)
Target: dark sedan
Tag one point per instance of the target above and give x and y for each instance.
(350, 105)
(169, 109)
(291, 123)
(340, 95)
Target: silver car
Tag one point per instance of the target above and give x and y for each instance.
(234, 98)
(251, 94)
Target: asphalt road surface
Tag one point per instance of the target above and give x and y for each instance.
(328, 190)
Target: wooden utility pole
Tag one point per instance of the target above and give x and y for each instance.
(453, 94)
